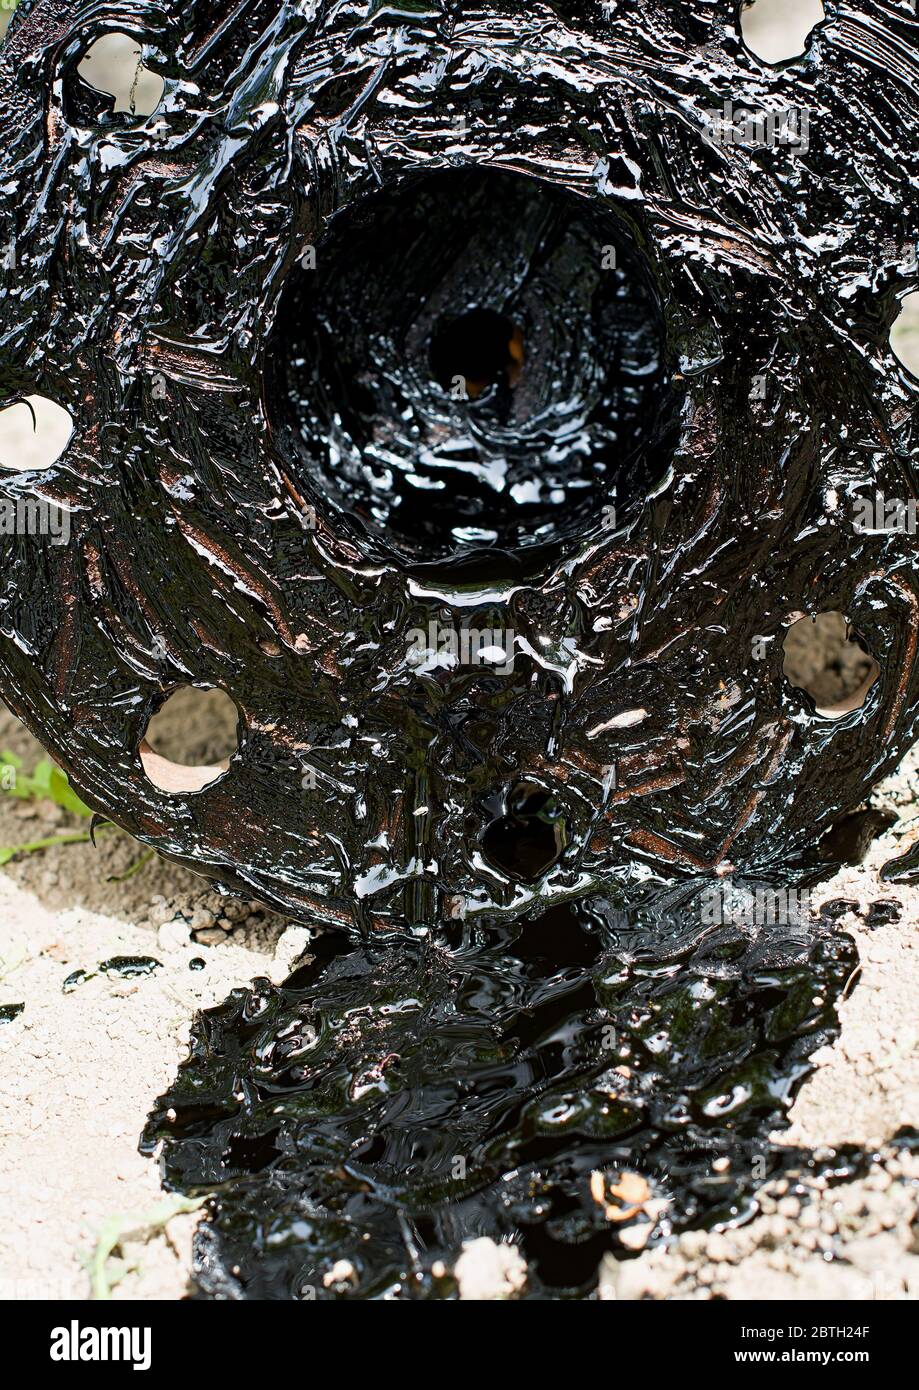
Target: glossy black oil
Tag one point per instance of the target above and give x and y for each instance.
(75, 979)
(389, 1102)
(129, 967)
(529, 838)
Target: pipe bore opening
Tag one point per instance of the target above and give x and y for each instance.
(190, 740)
(824, 659)
(472, 361)
(475, 351)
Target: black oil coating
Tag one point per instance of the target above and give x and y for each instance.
(129, 967)
(223, 533)
(392, 1101)
(360, 376)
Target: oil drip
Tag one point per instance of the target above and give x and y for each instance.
(130, 967)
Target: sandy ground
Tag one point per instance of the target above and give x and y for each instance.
(78, 1070)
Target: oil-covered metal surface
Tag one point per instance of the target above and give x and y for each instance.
(251, 302)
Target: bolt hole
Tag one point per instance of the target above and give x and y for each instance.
(531, 837)
(113, 67)
(778, 30)
(33, 434)
(831, 666)
(477, 350)
(190, 740)
(904, 336)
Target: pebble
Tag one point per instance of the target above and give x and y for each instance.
(291, 944)
(719, 1248)
(487, 1270)
(340, 1275)
(692, 1244)
(777, 1228)
(172, 936)
(636, 1237)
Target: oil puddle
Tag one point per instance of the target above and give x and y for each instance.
(558, 1083)
(130, 967)
(118, 968)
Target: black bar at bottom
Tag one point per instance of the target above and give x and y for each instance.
(240, 1339)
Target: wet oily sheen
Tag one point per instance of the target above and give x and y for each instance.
(521, 333)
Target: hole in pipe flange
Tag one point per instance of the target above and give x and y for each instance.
(531, 837)
(34, 432)
(904, 335)
(777, 30)
(112, 66)
(190, 740)
(822, 659)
